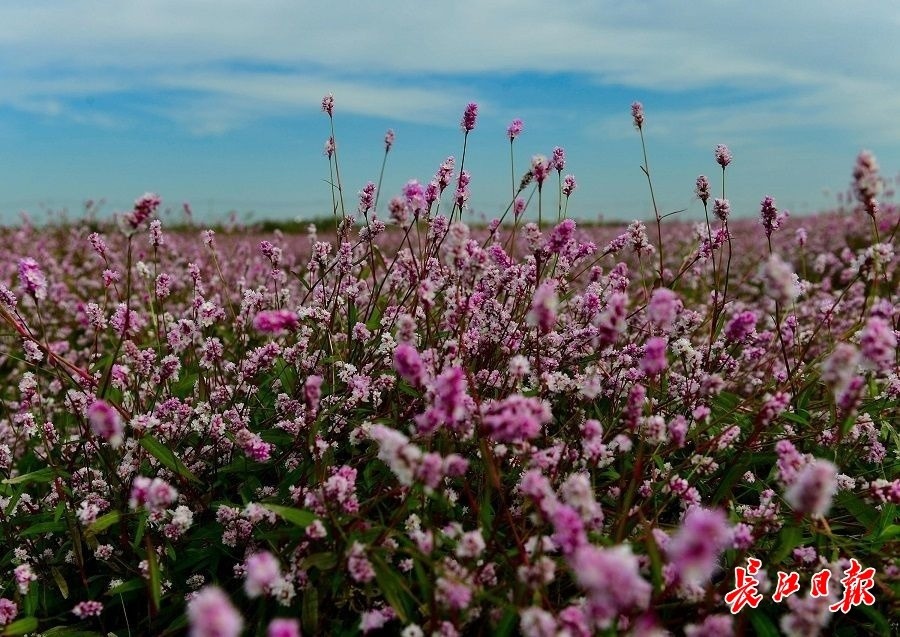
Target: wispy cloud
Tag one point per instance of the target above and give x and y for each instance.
(836, 59)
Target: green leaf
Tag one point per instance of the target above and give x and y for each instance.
(486, 511)
(727, 483)
(155, 589)
(322, 561)
(801, 418)
(409, 391)
(655, 562)
(862, 511)
(374, 321)
(21, 626)
(507, 625)
(884, 627)
(135, 584)
(102, 523)
(60, 582)
(40, 528)
(65, 631)
(141, 528)
(166, 456)
(790, 538)
(47, 474)
(888, 515)
(392, 587)
(297, 517)
(889, 533)
(309, 613)
(762, 625)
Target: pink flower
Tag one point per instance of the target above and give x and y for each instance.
(8, 611)
(415, 196)
(543, 307)
(328, 104)
(740, 326)
(263, 571)
(282, 627)
(106, 422)
(388, 140)
(536, 622)
(445, 173)
(559, 238)
(878, 343)
(664, 307)
(358, 565)
(867, 182)
(723, 155)
(32, 279)
(275, 321)
(568, 527)
(340, 488)
(519, 207)
(721, 208)
(637, 114)
(702, 189)
(312, 391)
(87, 609)
(514, 129)
(24, 576)
(813, 489)
(515, 418)
(144, 207)
(654, 360)
(469, 117)
(450, 395)
(712, 626)
(696, 546)
(155, 494)
(779, 280)
(210, 614)
(769, 216)
(375, 619)
(540, 168)
(558, 159)
(569, 185)
(453, 594)
(612, 580)
(367, 197)
(409, 364)
(840, 367)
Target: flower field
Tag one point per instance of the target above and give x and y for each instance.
(401, 423)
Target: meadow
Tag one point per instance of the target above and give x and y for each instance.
(397, 422)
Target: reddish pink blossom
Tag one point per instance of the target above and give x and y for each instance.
(211, 614)
(409, 364)
(106, 422)
(514, 129)
(282, 627)
(263, 571)
(813, 488)
(469, 117)
(276, 321)
(8, 611)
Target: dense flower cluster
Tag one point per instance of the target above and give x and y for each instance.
(419, 426)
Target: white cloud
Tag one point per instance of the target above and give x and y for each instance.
(834, 60)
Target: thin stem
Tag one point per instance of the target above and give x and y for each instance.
(337, 169)
(646, 169)
(380, 178)
(512, 169)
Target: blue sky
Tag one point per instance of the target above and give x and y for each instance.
(218, 102)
